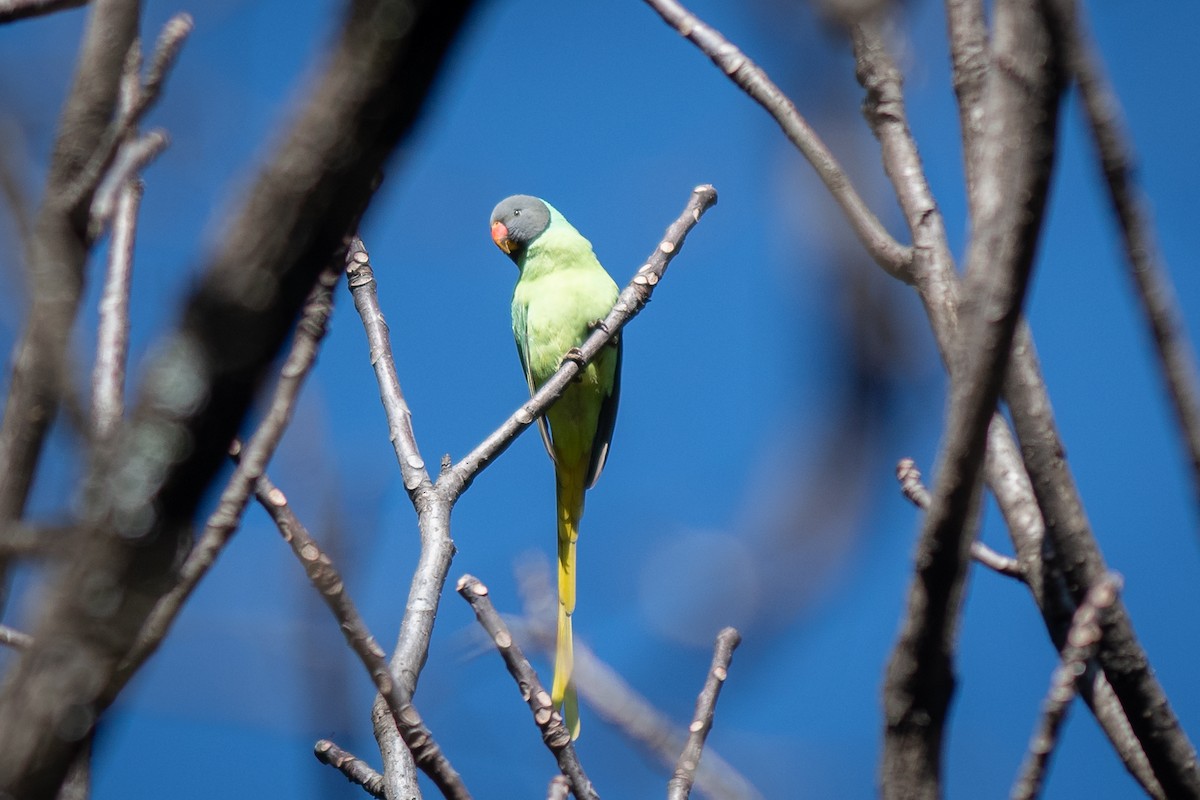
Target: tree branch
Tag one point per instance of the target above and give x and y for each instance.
(894, 257)
(1151, 278)
(680, 785)
(549, 721)
(13, 10)
(326, 580)
(355, 769)
(1082, 641)
(1021, 102)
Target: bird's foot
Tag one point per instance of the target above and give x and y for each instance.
(597, 324)
(576, 355)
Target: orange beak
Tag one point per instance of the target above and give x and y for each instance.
(500, 237)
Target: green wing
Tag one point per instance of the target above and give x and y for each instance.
(521, 336)
(605, 422)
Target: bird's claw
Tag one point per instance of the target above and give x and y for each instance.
(576, 355)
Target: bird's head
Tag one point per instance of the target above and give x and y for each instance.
(517, 221)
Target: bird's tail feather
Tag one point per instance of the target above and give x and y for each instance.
(570, 509)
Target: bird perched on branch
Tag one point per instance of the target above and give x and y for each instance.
(560, 296)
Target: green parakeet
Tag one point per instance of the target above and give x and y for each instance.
(561, 293)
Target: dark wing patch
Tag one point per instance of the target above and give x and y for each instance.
(605, 424)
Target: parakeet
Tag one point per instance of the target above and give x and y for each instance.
(562, 292)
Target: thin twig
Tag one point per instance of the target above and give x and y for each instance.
(13, 10)
(548, 720)
(360, 278)
(680, 785)
(910, 485)
(355, 769)
(887, 252)
(1082, 641)
(426, 753)
(1151, 278)
(112, 337)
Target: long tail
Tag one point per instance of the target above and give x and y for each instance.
(570, 510)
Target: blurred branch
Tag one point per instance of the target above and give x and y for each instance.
(967, 30)
(559, 788)
(326, 580)
(137, 98)
(56, 252)
(548, 720)
(680, 785)
(1151, 278)
(13, 10)
(887, 252)
(252, 460)
(1017, 154)
(910, 484)
(355, 769)
(614, 700)
(1082, 641)
(142, 493)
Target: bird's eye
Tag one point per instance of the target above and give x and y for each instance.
(517, 213)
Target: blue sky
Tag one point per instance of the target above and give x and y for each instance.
(719, 505)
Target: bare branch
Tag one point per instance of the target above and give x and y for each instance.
(355, 769)
(631, 301)
(13, 10)
(548, 720)
(361, 280)
(1017, 155)
(680, 785)
(326, 580)
(887, 252)
(1082, 641)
